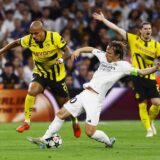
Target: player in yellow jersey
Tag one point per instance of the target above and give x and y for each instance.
(144, 51)
(47, 52)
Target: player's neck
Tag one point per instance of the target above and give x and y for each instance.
(145, 39)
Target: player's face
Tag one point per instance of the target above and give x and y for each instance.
(146, 32)
(38, 35)
(110, 55)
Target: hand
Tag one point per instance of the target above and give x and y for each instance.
(74, 55)
(98, 16)
(158, 66)
(58, 61)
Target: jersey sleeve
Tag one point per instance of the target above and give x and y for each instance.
(58, 40)
(131, 37)
(99, 54)
(158, 50)
(25, 41)
(129, 70)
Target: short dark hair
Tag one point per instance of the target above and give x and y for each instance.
(9, 64)
(118, 48)
(144, 23)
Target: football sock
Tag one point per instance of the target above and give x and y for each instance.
(54, 127)
(144, 115)
(73, 119)
(153, 112)
(100, 136)
(29, 104)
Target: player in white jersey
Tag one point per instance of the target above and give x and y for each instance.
(111, 69)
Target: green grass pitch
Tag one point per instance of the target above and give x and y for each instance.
(131, 143)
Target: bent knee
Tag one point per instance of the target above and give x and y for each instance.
(35, 88)
(63, 113)
(90, 131)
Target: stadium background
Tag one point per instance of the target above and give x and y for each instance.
(73, 20)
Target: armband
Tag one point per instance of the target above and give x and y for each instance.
(134, 72)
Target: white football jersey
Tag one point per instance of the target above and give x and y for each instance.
(107, 73)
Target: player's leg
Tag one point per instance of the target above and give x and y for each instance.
(99, 135)
(73, 108)
(143, 113)
(62, 96)
(141, 94)
(34, 89)
(75, 122)
(153, 94)
(57, 123)
(153, 113)
(92, 105)
(53, 128)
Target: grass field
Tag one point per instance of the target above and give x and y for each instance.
(131, 143)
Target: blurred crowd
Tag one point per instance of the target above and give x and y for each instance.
(73, 20)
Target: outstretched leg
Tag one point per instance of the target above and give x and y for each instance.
(53, 128)
(99, 135)
(75, 124)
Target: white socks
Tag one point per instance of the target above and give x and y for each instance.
(101, 137)
(53, 127)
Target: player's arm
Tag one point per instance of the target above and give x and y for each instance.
(10, 46)
(67, 52)
(77, 52)
(100, 17)
(147, 71)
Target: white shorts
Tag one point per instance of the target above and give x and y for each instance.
(88, 102)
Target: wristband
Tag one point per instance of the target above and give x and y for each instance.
(61, 60)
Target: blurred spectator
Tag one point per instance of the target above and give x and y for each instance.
(8, 4)
(69, 81)
(92, 30)
(20, 73)
(26, 20)
(3, 32)
(8, 24)
(8, 78)
(48, 23)
(80, 79)
(70, 67)
(89, 75)
(61, 22)
(28, 70)
(18, 31)
(56, 10)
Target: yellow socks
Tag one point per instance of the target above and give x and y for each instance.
(29, 104)
(153, 112)
(144, 115)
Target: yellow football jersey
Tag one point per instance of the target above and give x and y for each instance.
(143, 53)
(45, 54)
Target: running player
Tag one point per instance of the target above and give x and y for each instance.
(49, 69)
(144, 51)
(90, 100)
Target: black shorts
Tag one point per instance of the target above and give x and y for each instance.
(144, 88)
(57, 88)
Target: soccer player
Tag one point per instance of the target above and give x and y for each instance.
(144, 51)
(47, 50)
(90, 100)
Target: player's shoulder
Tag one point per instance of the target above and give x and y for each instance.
(132, 36)
(54, 33)
(95, 50)
(26, 37)
(123, 63)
